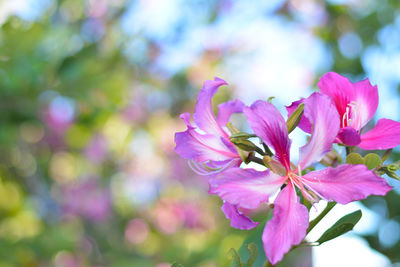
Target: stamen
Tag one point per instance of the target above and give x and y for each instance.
(203, 169)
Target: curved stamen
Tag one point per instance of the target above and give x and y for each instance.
(203, 169)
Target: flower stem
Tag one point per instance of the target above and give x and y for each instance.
(314, 222)
(267, 264)
(253, 158)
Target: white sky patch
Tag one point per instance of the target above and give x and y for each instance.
(346, 250)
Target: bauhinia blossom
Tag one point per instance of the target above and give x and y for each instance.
(248, 188)
(206, 143)
(356, 104)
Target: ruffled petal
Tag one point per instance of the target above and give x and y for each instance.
(225, 110)
(385, 135)
(287, 227)
(269, 125)
(246, 188)
(238, 219)
(323, 115)
(203, 115)
(202, 147)
(304, 123)
(366, 100)
(346, 183)
(349, 136)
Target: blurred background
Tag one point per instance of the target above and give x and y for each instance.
(91, 91)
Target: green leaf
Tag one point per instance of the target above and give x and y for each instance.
(372, 161)
(354, 158)
(342, 226)
(176, 265)
(295, 118)
(253, 251)
(236, 258)
(254, 236)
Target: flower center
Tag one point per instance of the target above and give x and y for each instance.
(351, 110)
(297, 180)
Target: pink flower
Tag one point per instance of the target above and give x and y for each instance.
(356, 104)
(248, 188)
(206, 143)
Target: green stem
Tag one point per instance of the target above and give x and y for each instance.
(267, 264)
(314, 222)
(253, 158)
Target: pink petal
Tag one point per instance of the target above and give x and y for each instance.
(367, 99)
(238, 219)
(349, 136)
(304, 123)
(227, 109)
(338, 88)
(246, 188)
(287, 227)
(346, 183)
(269, 125)
(202, 147)
(361, 97)
(385, 135)
(323, 115)
(203, 115)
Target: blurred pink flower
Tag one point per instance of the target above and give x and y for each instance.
(86, 199)
(96, 151)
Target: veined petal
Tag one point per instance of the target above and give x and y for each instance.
(366, 100)
(339, 89)
(287, 227)
(246, 188)
(323, 115)
(225, 110)
(349, 136)
(269, 125)
(346, 183)
(385, 135)
(238, 219)
(304, 123)
(201, 147)
(203, 115)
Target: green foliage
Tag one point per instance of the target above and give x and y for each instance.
(238, 262)
(341, 227)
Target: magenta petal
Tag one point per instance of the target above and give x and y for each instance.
(269, 125)
(338, 88)
(366, 100)
(323, 115)
(349, 136)
(304, 123)
(203, 115)
(246, 188)
(346, 183)
(238, 219)
(385, 135)
(287, 227)
(227, 109)
(201, 147)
